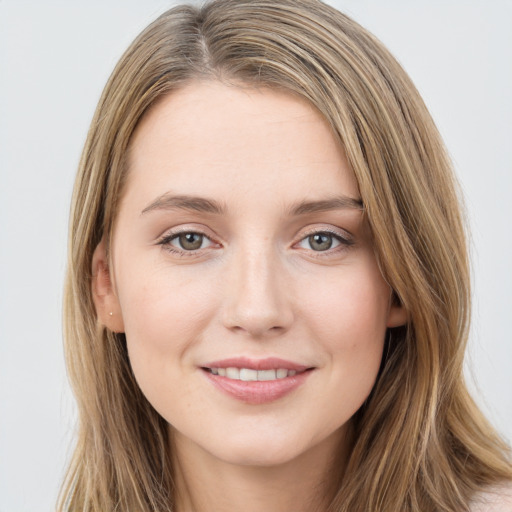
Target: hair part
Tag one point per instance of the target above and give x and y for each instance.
(419, 435)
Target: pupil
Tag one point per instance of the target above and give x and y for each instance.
(191, 241)
(320, 242)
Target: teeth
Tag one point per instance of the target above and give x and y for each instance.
(281, 374)
(233, 373)
(267, 375)
(248, 375)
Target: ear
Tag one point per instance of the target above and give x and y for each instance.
(397, 315)
(104, 295)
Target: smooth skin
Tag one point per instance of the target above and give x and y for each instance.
(241, 233)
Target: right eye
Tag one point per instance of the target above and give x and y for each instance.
(321, 241)
(185, 242)
(189, 241)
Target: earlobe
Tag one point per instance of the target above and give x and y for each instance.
(397, 316)
(105, 299)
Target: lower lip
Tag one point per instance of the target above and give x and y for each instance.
(257, 392)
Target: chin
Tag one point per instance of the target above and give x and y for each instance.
(258, 456)
(275, 449)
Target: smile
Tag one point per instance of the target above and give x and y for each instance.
(256, 382)
(251, 375)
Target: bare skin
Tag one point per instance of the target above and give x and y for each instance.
(241, 242)
(303, 484)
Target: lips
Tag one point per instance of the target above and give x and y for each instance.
(256, 381)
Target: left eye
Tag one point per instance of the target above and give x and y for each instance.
(320, 242)
(189, 241)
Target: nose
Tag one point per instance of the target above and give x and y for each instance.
(257, 297)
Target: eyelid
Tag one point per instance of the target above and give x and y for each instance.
(171, 234)
(344, 238)
(339, 233)
(187, 228)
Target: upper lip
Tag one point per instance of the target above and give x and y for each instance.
(269, 363)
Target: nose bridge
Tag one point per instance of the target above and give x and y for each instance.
(257, 301)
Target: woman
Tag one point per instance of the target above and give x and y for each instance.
(267, 297)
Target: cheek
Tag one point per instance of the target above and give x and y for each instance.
(350, 311)
(349, 321)
(164, 315)
(163, 304)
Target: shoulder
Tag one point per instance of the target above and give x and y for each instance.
(496, 499)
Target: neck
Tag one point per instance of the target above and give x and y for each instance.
(305, 484)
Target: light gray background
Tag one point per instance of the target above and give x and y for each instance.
(55, 57)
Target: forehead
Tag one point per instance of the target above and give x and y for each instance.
(209, 137)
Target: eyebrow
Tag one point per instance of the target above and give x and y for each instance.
(182, 202)
(335, 203)
(168, 201)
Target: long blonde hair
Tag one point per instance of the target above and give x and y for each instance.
(420, 443)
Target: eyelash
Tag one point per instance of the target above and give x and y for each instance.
(344, 242)
(166, 240)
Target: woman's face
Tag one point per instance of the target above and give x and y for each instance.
(243, 274)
